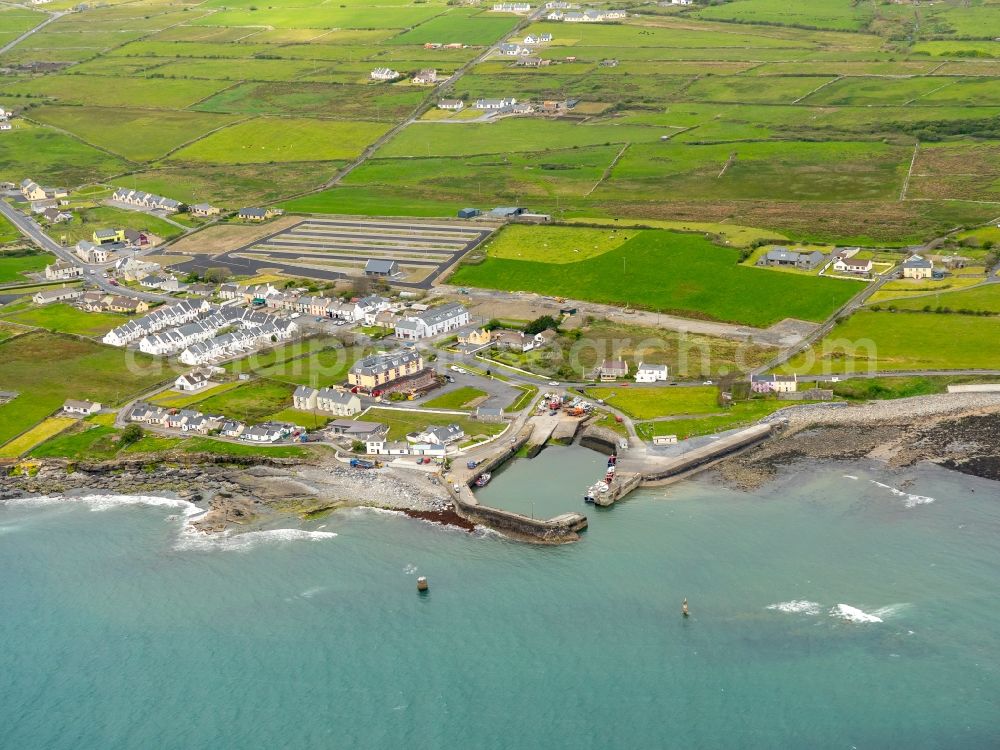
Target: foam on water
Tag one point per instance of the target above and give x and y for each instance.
(189, 537)
(797, 606)
(192, 539)
(910, 500)
(853, 614)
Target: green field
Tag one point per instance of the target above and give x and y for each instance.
(8, 232)
(647, 403)
(984, 298)
(284, 140)
(556, 244)
(740, 414)
(403, 422)
(459, 25)
(883, 341)
(670, 272)
(13, 267)
(63, 318)
(460, 398)
(47, 368)
(253, 402)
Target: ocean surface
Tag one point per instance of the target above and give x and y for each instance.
(843, 606)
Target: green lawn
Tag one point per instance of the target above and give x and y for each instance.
(460, 398)
(646, 403)
(882, 341)
(252, 402)
(402, 422)
(671, 272)
(8, 233)
(13, 268)
(740, 414)
(47, 368)
(556, 244)
(64, 318)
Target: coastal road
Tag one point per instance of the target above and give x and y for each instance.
(92, 273)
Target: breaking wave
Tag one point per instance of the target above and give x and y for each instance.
(797, 606)
(853, 614)
(909, 500)
(189, 537)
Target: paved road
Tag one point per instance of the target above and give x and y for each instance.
(55, 16)
(92, 273)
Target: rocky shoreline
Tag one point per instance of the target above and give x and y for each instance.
(957, 431)
(240, 494)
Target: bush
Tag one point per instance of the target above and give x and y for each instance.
(131, 434)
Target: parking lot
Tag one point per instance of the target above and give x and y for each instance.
(330, 249)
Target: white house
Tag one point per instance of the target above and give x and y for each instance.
(88, 252)
(433, 322)
(84, 408)
(438, 435)
(61, 294)
(773, 383)
(384, 74)
(195, 380)
(918, 267)
(452, 105)
(62, 270)
(648, 373)
(853, 265)
(495, 104)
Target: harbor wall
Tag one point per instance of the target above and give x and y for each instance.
(558, 530)
(701, 457)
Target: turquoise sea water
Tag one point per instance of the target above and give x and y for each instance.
(119, 631)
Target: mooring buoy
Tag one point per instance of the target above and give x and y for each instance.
(421, 584)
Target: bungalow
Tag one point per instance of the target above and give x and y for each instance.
(918, 267)
(196, 380)
(380, 447)
(433, 322)
(204, 209)
(135, 238)
(532, 61)
(252, 213)
(55, 216)
(773, 383)
(62, 294)
(425, 76)
(537, 39)
(512, 50)
(612, 369)
(489, 414)
(356, 429)
(108, 236)
(127, 305)
(517, 341)
(384, 74)
(62, 269)
(495, 104)
(84, 408)
(94, 301)
(438, 435)
(262, 433)
(853, 265)
(511, 8)
(452, 105)
(649, 373)
(381, 268)
(231, 428)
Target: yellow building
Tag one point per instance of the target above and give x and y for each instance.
(479, 337)
(379, 369)
(917, 267)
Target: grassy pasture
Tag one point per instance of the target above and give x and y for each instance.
(904, 341)
(984, 298)
(460, 398)
(816, 14)
(877, 91)
(740, 414)
(402, 422)
(13, 268)
(646, 403)
(153, 93)
(139, 135)
(60, 158)
(462, 25)
(253, 402)
(47, 368)
(558, 244)
(372, 201)
(666, 271)
(749, 90)
(324, 16)
(63, 318)
(36, 435)
(762, 171)
(286, 140)
(508, 136)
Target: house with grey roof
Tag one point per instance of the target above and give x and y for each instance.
(381, 268)
(433, 322)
